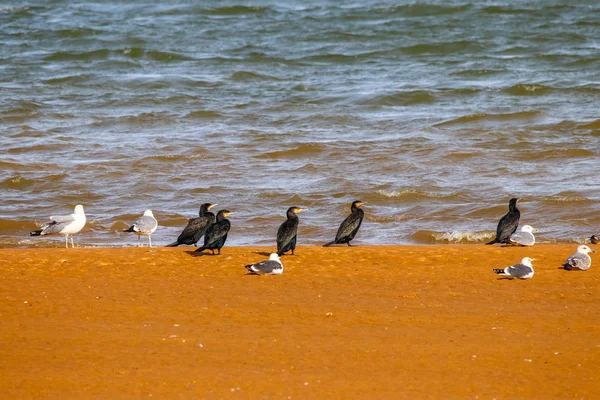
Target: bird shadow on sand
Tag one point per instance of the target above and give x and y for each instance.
(194, 254)
(263, 253)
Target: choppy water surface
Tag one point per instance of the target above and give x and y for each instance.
(433, 113)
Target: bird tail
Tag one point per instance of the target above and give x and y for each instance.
(499, 271)
(200, 249)
(493, 241)
(36, 233)
(329, 244)
(130, 229)
(174, 244)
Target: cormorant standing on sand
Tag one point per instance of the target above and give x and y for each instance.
(196, 227)
(286, 235)
(349, 226)
(508, 224)
(216, 235)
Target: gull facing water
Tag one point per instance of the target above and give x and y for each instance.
(146, 226)
(64, 225)
(524, 237)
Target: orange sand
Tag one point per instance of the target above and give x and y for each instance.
(368, 322)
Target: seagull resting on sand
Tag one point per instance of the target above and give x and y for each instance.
(524, 270)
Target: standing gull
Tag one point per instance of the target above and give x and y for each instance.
(216, 235)
(350, 225)
(146, 226)
(287, 232)
(64, 225)
(524, 237)
(271, 266)
(524, 270)
(580, 260)
(196, 227)
(508, 224)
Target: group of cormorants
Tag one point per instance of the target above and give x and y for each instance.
(215, 229)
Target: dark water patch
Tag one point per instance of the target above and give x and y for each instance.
(245, 76)
(565, 154)
(39, 148)
(508, 9)
(482, 118)
(422, 10)
(594, 125)
(304, 150)
(69, 79)
(101, 54)
(77, 33)
(478, 72)
(444, 48)
(524, 89)
(404, 98)
(203, 114)
(234, 10)
(163, 56)
(17, 183)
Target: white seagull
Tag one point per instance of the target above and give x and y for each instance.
(146, 226)
(580, 260)
(64, 225)
(524, 270)
(267, 267)
(524, 237)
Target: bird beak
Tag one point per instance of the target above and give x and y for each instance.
(535, 229)
(301, 209)
(231, 213)
(212, 205)
(533, 259)
(519, 199)
(593, 251)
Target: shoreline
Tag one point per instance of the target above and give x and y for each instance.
(401, 321)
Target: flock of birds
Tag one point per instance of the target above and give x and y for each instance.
(214, 229)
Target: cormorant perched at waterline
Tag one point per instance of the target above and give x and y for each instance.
(349, 226)
(216, 235)
(508, 224)
(196, 227)
(286, 235)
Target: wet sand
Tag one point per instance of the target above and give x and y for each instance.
(368, 322)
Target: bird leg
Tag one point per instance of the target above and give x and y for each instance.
(150, 240)
(138, 240)
(67, 241)
(72, 244)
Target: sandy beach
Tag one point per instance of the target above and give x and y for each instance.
(363, 322)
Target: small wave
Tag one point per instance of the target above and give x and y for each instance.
(251, 76)
(523, 89)
(566, 197)
(483, 118)
(591, 125)
(402, 98)
(477, 72)
(423, 10)
(77, 32)
(425, 236)
(304, 150)
(412, 193)
(505, 10)
(70, 79)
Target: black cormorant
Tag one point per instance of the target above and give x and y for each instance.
(508, 224)
(349, 226)
(216, 235)
(286, 235)
(196, 227)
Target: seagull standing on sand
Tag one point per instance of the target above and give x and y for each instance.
(272, 266)
(524, 270)
(524, 237)
(580, 260)
(507, 224)
(64, 225)
(146, 226)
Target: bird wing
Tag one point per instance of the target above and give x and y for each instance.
(577, 261)
(216, 232)
(522, 238)
(196, 226)
(507, 225)
(266, 267)
(146, 224)
(285, 233)
(63, 218)
(519, 270)
(55, 227)
(349, 226)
